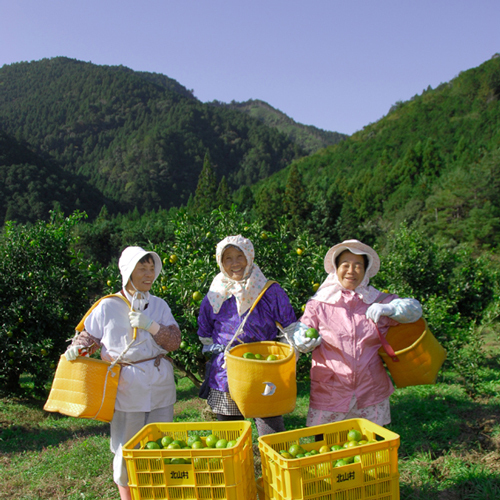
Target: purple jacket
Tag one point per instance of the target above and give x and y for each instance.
(273, 306)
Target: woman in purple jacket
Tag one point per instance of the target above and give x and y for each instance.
(232, 293)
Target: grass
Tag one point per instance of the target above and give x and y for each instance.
(450, 441)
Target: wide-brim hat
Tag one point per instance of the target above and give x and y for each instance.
(129, 259)
(355, 247)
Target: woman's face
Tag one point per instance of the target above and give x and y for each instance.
(234, 263)
(350, 270)
(143, 276)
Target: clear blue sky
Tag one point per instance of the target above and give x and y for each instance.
(338, 65)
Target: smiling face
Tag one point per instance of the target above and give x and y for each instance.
(350, 269)
(234, 263)
(142, 276)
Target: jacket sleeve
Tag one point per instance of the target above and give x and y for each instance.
(406, 310)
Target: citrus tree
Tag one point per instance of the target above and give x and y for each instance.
(44, 287)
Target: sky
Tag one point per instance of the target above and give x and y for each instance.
(337, 65)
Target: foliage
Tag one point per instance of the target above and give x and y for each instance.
(44, 287)
(205, 196)
(137, 139)
(308, 137)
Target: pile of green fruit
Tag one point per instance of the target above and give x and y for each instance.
(193, 442)
(354, 438)
(260, 357)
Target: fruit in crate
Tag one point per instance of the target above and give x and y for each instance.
(152, 445)
(211, 441)
(166, 440)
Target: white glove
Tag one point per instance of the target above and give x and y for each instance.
(73, 351)
(302, 343)
(376, 310)
(140, 320)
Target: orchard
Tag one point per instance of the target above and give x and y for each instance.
(46, 285)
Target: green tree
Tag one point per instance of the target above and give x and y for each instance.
(223, 195)
(205, 199)
(295, 204)
(44, 290)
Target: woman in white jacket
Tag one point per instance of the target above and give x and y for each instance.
(146, 388)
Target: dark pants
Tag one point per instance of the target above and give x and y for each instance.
(268, 425)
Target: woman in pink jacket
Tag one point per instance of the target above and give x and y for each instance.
(348, 379)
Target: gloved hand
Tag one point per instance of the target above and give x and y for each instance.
(212, 349)
(302, 342)
(376, 310)
(140, 320)
(73, 351)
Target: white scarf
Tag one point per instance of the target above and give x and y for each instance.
(245, 291)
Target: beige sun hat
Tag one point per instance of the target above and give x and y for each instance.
(358, 248)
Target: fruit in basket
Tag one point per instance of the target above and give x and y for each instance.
(336, 447)
(212, 440)
(197, 445)
(324, 449)
(173, 446)
(272, 357)
(285, 454)
(193, 439)
(354, 435)
(152, 445)
(259, 356)
(166, 440)
(221, 443)
(352, 444)
(295, 450)
(231, 443)
(177, 461)
(249, 355)
(341, 462)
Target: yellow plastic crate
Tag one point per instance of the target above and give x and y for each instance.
(222, 474)
(375, 477)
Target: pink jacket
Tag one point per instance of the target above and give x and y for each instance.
(347, 361)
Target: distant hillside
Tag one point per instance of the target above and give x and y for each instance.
(308, 137)
(138, 138)
(30, 185)
(433, 160)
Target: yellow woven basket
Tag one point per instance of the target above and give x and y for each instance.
(84, 388)
(420, 354)
(262, 388)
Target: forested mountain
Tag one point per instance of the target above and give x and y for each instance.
(30, 185)
(138, 138)
(310, 138)
(433, 160)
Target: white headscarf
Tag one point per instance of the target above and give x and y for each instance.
(127, 262)
(245, 291)
(331, 289)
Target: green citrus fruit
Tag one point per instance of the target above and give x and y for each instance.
(231, 443)
(341, 462)
(174, 446)
(354, 435)
(295, 450)
(315, 287)
(197, 445)
(212, 440)
(152, 445)
(324, 449)
(259, 356)
(192, 439)
(178, 461)
(249, 355)
(221, 443)
(285, 454)
(300, 251)
(336, 447)
(166, 461)
(272, 357)
(183, 344)
(166, 440)
(197, 296)
(312, 333)
(173, 259)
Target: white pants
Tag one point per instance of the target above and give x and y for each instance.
(124, 426)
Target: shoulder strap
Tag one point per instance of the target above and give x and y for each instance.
(80, 326)
(240, 328)
(261, 294)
